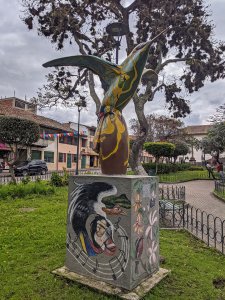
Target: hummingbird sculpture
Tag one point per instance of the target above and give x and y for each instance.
(120, 82)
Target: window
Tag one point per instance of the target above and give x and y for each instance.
(92, 132)
(35, 154)
(31, 107)
(83, 143)
(61, 139)
(74, 158)
(68, 140)
(19, 104)
(49, 156)
(47, 137)
(92, 160)
(91, 145)
(62, 157)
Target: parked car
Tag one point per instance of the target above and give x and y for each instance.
(31, 167)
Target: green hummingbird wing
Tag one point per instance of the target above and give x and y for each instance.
(106, 70)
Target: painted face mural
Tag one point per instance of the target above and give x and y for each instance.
(101, 233)
(94, 213)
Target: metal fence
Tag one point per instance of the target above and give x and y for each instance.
(171, 192)
(5, 179)
(220, 187)
(182, 177)
(204, 226)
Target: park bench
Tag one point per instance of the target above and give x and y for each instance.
(169, 206)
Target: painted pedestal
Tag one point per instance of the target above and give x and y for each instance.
(113, 228)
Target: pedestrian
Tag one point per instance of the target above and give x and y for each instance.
(219, 168)
(210, 170)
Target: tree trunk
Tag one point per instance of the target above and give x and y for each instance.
(156, 165)
(11, 171)
(135, 153)
(11, 159)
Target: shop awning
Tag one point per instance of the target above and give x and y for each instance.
(4, 147)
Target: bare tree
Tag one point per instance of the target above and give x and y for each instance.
(188, 43)
(160, 128)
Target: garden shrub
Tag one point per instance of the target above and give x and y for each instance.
(196, 168)
(25, 180)
(38, 179)
(166, 168)
(21, 190)
(56, 179)
(65, 177)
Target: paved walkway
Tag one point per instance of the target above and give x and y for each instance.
(199, 194)
(204, 226)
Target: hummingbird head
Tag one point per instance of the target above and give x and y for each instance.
(141, 51)
(142, 47)
(137, 57)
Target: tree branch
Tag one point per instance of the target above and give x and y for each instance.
(115, 10)
(132, 6)
(80, 45)
(157, 69)
(93, 94)
(174, 60)
(156, 90)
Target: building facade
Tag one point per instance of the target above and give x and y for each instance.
(58, 142)
(199, 132)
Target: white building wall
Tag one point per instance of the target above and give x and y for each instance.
(198, 154)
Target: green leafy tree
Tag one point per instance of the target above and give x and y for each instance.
(18, 134)
(181, 148)
(188, 43)
(219, 115)
(159, 149)
(214, 142)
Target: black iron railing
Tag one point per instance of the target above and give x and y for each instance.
(171, 192)
(206, 227)
(188, 176)
(220, 187)
(5, 179)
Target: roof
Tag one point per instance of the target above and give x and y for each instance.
(15, 98)
(90, 127)
(10, 111)
(198, 129)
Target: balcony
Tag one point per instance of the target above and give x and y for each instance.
(41, 143)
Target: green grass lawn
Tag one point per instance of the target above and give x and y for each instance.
(32, 244)
(182, 176)
(220, 195)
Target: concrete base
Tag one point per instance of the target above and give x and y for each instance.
(113, 228)
(136, 294)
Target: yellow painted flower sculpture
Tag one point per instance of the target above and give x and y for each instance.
(120, 83)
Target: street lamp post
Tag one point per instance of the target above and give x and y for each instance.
(79, 105)
(117, 29)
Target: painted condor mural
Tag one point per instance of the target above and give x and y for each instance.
(96, 240)
(98, 200)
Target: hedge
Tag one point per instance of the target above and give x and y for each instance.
(12, 191)
(170, 168)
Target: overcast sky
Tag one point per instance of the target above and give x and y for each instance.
(23, 52)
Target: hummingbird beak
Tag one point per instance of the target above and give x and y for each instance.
(149, 43)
